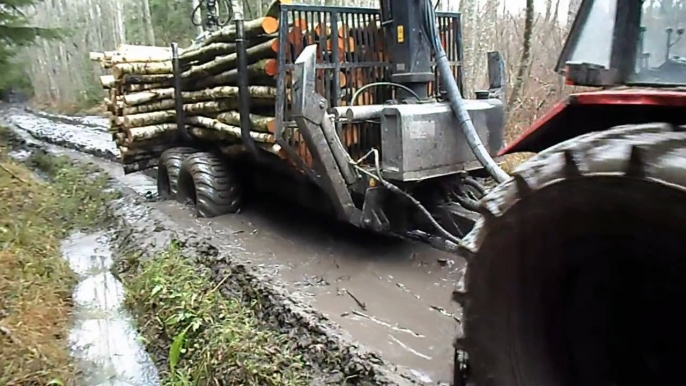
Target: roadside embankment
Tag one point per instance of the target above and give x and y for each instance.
(36, 283)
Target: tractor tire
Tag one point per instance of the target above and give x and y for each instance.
(168, 169)
(209, 183)
(578, 265)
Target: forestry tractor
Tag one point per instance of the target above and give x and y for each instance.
(575, 264)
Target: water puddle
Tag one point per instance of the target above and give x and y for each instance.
(103, 339)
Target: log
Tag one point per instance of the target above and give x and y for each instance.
(207, 52)
(240, 149)
(210, 107)
(107, 81)
(229, 130)
(140, 56)
(227, 62)
(147, 79)
(152, 68)
(147, 119)
(167, 130)
(257, 76)
(131, 158)
(166, 104)
(257, 122)
(97, 56)
(257, 93)
(136, 152)
(271, 68)
(140, 165)
(143, 87)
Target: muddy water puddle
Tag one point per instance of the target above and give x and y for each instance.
(392, 296)
(103, 339)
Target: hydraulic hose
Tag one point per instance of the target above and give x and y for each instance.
(455, 98)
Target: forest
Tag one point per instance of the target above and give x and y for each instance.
(57, 73)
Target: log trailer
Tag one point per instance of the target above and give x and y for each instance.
(367, 129)
(577, 266)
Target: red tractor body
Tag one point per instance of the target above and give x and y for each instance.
(599, 110)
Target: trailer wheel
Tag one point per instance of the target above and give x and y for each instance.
(577, 265)
(209, 183)
(168, 171)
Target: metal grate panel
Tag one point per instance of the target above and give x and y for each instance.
(351, 53)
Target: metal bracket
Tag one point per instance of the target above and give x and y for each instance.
(308, 111)
(178, 96)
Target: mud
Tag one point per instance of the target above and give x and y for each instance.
(84, 137)
(355, 293)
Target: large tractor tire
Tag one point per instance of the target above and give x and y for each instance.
(576, 272)
(208, 182)
(168, 169)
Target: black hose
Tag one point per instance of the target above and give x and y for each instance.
(455, 98)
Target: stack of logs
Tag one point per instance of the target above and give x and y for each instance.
(141, 92)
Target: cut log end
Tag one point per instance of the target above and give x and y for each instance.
(270, 25)
(271, 68)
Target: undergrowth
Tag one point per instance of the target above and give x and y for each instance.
(211, 339)
(36, 283)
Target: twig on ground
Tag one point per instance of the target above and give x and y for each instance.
(359, 303)
(11, 174)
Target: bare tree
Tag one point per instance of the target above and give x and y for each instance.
(524, 61)
(147, 16)
(197, 16)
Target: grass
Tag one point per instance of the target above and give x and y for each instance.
(36, 283)
(211, 339)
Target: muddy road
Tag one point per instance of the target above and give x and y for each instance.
(392, 296)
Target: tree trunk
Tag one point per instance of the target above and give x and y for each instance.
(525, 60)
(147, 17)
(197, 16)
(121, 27)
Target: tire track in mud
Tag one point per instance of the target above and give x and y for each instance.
(390, 295)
